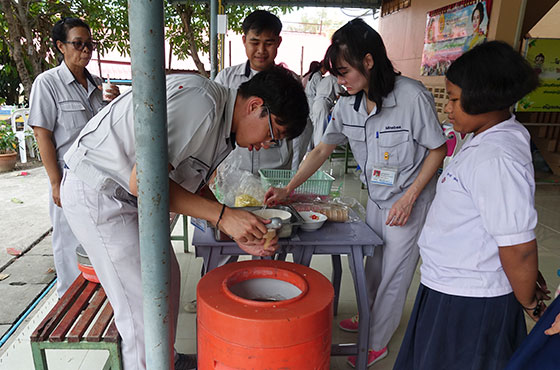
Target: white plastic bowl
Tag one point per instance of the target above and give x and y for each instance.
(312, 220)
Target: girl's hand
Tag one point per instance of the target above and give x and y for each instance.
(275, 196)
(56, 194)
(555, 327)
(541, 291)
(242, 226)
(400, 212)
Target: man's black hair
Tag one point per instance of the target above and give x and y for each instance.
(60, 29)
(352, 42)
(261, 20)
(492, 77)
(283, 94)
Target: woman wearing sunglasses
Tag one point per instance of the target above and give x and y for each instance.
(62, 100)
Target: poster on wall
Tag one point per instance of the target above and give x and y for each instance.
(452, 30)
(544, 56)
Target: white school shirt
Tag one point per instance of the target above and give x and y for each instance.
(279, 157)
(199, 118)
(406, 129)
(484, 200)
(60, 104)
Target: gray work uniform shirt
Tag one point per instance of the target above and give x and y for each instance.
(399, 136)
(60, 104)
(278, 157)
(199, 118)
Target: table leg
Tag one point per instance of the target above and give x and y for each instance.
(307, 255)
(203, 252)
(356, 263)
(335, 280)
(213, 258)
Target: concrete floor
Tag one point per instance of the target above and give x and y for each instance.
(16, 353)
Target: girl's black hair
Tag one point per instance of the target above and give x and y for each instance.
(314, 66)
(492, 76)
(480, 9)
(60, 29)
(283, 94)
(352, 42)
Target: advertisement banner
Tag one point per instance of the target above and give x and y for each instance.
(452, 30)
(544, 56)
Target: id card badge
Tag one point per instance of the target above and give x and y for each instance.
(199, 223)
(384, 175)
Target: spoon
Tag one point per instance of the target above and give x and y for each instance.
(275, 223)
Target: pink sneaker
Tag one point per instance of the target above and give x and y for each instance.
(350, 324)
(373, 357)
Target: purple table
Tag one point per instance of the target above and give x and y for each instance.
(354, 239)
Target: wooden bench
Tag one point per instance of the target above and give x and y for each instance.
(81, 319)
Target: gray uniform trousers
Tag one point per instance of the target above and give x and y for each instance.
(64, 245)
(107, 227)
(389, 272)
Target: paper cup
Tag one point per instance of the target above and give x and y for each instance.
(271, 233)
(106, 94)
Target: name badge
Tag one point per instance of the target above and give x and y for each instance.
(384, 175)
(199, 223)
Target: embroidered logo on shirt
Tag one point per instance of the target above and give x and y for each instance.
(397, 127)
(451, 177)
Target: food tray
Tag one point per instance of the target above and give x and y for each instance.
(319, 183)
(293, 223)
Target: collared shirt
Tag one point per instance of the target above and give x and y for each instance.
(484, 200)
(311, 87)
(278, 157)
(199, 118)
(60, 104)
(400, 136)
(328, 88)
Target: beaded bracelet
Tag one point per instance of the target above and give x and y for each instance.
(536, 310)
(221, 214)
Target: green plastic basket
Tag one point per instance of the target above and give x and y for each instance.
(319, 183)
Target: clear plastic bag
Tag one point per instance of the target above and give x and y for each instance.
(341, 209)
(236, 188)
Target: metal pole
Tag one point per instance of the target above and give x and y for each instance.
(519, 28)
(213, 38)
(150, 129)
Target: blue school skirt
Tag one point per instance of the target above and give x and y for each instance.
(538, 350)
(455, 333)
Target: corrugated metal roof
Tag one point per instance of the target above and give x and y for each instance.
(317, 3)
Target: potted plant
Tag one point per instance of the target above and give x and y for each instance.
(8, 147)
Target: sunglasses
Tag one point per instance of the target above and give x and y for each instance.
(80, 45)
(275, 142)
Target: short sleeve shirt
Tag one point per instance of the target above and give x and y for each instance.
(60, 104)
(199, 117)
(400, 136)
(484, 201)
(278, 157)
(311, 87)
